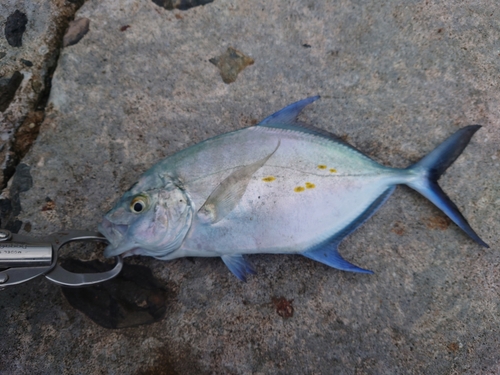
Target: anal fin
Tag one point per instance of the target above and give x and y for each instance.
(330, 256)
(238, 266)
(328, 253)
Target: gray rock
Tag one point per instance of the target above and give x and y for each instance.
(395, 79)
(31, 33)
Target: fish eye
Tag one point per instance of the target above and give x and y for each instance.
(139, 204)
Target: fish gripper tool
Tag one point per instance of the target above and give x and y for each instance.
(23, 258)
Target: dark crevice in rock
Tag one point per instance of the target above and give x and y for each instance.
(78, 3)
(27, 133)
(43, 99)
(54, 58)
(181, 4)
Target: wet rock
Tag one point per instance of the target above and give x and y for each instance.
(76, 31)
(231, 63)
(15, 28)
(131, 299)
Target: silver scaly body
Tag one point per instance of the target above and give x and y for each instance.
(278, 187)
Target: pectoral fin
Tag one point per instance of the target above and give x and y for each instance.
(238, 266)
(228, 193)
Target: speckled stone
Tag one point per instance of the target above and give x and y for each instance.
(30, 37)
(396, 78)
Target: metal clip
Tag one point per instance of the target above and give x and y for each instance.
(26, 258)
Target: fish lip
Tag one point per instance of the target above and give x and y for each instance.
(112, 251)
(122, 251)
(114, 233)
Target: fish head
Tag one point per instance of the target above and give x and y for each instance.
(152, 218)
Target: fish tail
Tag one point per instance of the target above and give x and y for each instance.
(425, 174)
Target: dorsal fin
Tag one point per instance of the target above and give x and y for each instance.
(286, 119)
(287, 115)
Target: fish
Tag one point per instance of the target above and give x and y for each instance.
(279, 187)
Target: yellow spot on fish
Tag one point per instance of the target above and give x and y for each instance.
(333, 170)
(299, 189)
(310, 185)
(321, 166)
(269, 179)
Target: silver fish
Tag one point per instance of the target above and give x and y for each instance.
(278, 187)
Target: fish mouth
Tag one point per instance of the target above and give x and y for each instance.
(115, 234)
(119, 245)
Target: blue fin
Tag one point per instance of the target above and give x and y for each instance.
(431, 167)
(238, 266)
(286, 119)
(330, 256)
(288, 115)
(328, 253)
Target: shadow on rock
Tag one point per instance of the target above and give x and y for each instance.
(131, 299)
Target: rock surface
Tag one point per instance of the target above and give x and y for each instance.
(395, 78)
(30, 38)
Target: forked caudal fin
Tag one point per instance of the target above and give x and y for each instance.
(426, 173)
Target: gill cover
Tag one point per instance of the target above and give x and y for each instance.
(153, 222)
